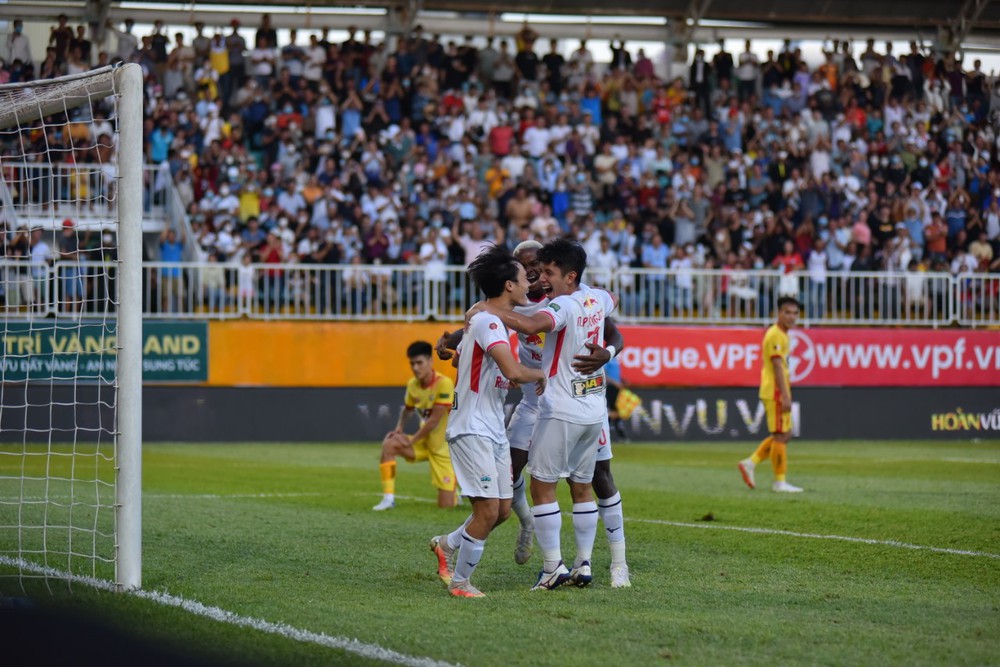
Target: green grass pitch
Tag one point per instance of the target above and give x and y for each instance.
(721, 574)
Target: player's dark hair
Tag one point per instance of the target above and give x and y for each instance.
(492, 269)
(568, 255)
(419, 349)
(790, 300)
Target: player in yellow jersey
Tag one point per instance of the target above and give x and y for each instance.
(776, 394)
(431, 394)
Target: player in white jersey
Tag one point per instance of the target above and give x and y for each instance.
(571, 413)
(476, 435)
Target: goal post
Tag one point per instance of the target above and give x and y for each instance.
(71, 214)
(128, 562)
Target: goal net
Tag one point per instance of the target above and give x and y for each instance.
(70, 289)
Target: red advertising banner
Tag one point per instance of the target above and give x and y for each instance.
(820, 357)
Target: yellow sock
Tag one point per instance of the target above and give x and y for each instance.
(763, 451)
(779, 460)
(387, 469)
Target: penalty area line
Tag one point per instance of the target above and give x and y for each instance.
(355, 646)
(817, 536)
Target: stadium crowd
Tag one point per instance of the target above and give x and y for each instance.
(316, 152)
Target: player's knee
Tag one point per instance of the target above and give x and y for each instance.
(503, 513)
(490, 513)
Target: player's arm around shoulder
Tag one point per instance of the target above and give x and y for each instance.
(540, 322)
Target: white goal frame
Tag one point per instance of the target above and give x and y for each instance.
(36, 100)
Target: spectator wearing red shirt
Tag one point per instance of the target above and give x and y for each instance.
(500, 138)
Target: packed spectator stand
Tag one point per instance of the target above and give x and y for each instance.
(359, 179)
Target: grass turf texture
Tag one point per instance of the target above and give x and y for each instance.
(319, 559)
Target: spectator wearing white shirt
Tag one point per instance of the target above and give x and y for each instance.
(590, 134)
(682, 265)
(558, 133)
(315, 61)
(482, 119)
(816, 290)
(514, 164)
(537, 139)
(747, 73)
(603, 264)
(434, 257)
(227, 203)
(127, 42)
(893, 113)
(18, 45)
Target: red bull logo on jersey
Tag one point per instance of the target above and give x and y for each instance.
(588, 385)
(590, 302)
(534, 340)
(501, 382)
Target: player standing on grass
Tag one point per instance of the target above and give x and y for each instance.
(572, 413)
(432, 394)
(522, 422)
(476, 434)
(776, 393)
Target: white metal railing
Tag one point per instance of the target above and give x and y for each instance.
(211, 290)
(84, 192)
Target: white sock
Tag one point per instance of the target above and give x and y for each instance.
(610, 510)
(520, 502)
(468, 557)
(389, 496)
(454, 538)
(548, 524)
(585, 529)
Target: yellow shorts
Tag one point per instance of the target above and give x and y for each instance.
(442, 474)
(777, 421)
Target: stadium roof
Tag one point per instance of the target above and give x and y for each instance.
(956, 19)
(901, 13)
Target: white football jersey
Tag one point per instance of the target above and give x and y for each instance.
(480, 389)
(529, 348)
(577, 319)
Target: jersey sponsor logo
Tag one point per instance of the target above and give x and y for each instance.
(589, 385)
(535, 340)
(590, 320)
(590, 302)
(501, 383)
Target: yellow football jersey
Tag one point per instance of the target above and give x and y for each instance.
(775, 344)
(441, 391)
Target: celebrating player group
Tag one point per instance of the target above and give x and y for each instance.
(560, 427)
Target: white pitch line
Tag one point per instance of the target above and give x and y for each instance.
(176, 496)
(371, 651)
(815, 536)
(225, 496)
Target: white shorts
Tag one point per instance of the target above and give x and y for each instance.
(604, 442)
(561, 449)
(482, 467)
(522, 423)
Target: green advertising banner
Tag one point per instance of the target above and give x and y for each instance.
(54, 350)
